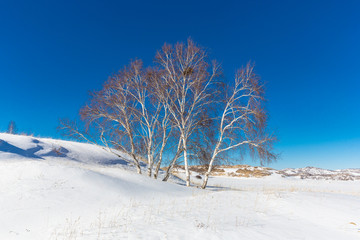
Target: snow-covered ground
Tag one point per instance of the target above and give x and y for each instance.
(52, 189)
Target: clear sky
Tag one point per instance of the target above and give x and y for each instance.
(308, 52)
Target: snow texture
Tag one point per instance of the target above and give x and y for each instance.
(52, 189)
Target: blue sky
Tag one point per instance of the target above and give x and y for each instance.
(52, 53)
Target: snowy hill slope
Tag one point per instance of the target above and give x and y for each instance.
(52, 189)
(26, 147)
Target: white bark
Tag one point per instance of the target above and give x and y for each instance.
(188, 79)
(242, 115)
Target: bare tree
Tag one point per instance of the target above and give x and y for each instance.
(243, 121)
(112, 109)
(165, 127)
(166, 110)
(12, 129)
(152, 114)
(128, 115)
(165, 133)
(162, 94)
(187, 77)
(130, 109)
(146, 114)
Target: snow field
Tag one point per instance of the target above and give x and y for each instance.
(88, 193)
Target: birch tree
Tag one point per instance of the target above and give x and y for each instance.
(146, 114)
(152, 114)
(129, 108)
(140, 111)
(165, 126)
(113, 107)
(242, 123)
(188, 77)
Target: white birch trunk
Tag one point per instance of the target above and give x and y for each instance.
(150, 165)
(207, 174)
(187, 172)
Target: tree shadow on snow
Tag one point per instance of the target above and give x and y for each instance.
(115, 162)
(218, 188)
(57, 152)
(28, 153)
